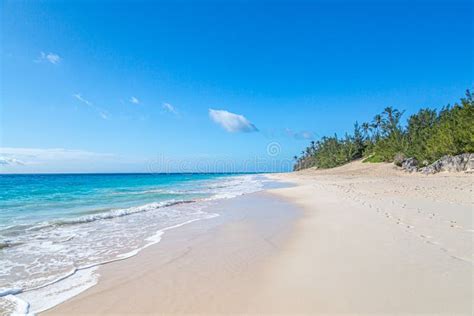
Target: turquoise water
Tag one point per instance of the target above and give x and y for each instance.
(53, 228)
(29, 199)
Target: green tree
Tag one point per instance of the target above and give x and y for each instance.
(427, 136)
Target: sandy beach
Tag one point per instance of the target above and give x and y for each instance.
(358, 239)
(236, 157)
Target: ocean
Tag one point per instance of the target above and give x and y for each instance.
(56, 229)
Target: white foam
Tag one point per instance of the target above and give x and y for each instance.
(120, 212)
(6, 291)
(74, 252)
(49, 296)
(156, 238)
(13, 305)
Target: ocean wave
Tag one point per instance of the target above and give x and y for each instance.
(23, 307)
(206, 187)
(74, 249)
(225, 189)
(8, 291)
(95, 216)
(160, 191)
(8, 244)
(119, 212)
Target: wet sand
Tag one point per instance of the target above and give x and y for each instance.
(359, 239)
(208, 266)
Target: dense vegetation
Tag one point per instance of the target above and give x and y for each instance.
(427, 136)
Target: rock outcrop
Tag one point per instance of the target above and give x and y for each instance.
(463, 162)
(459, 163)
(410, 164)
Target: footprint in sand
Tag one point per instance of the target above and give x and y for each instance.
(461, 259)
(425, 236)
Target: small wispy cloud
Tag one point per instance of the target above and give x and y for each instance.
(49, 57)
(299, 134)
(169, 108)
(14, 154)
(134, 100)
(21, 159)
(102, 113)
(7, 161)
(232, 122)
(80, 98)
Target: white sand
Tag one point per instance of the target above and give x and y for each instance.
(371, 240)
(377, 240)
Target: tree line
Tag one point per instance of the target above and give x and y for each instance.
(427, 136)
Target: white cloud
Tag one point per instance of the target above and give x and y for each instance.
(134, 100)
(232, 122)
(49, 57)
(102, 113)
(13, 159)
(80, 98)
(6, 161)
(169, 108)
(30, 154)
(299, 135)
(307, 135)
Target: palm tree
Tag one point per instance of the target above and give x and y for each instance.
(376, 122)
(366, 128)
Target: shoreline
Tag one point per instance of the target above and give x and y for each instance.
(186, 254)
(362, 239)
(126, 230)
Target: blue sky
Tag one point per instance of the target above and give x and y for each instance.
(90, 86)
